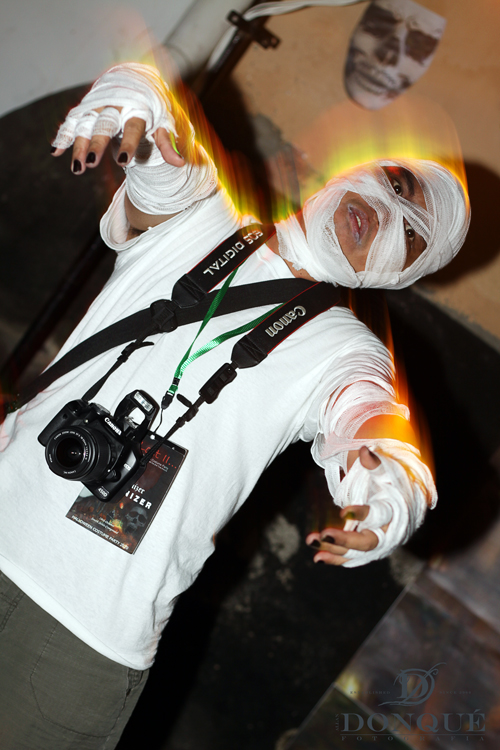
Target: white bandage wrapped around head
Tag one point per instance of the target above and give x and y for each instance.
(134, 90)
(443, 225)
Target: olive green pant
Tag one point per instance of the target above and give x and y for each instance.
(57, 693)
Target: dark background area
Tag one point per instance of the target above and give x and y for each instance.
(257, 640)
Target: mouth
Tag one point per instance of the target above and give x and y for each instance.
(375, 79)
(359, 222)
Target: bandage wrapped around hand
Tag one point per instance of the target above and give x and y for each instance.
(135, 90)
(398, 493)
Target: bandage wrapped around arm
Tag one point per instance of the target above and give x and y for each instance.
(134, 90)
(398, 492)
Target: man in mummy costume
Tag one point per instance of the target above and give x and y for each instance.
(80, 618)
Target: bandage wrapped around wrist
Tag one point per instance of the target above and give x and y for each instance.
(152, 185)
(158, 188)
(398, 492)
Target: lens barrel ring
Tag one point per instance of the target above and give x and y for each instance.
(79, 454)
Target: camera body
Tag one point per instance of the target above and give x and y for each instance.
(85, 443)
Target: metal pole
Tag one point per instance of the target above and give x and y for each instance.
(245, 34)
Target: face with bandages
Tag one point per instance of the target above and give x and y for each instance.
(365, 214)
(392, 46)
(384, 224)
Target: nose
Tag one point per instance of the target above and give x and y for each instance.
(388, 51)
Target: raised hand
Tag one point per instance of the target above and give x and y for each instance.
(132, 101)
(88, 152)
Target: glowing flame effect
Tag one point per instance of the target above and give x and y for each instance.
(371, 308)
(418, 419)
(233, 169)
(132, 41)
(411, 127)
(345, 136)
(341, 139)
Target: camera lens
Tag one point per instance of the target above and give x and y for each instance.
(69, 453)
(78, 453)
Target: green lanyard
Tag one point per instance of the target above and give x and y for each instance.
(188, 357)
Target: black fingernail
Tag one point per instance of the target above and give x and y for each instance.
(123, 158)
(52, 149)
(77, 167)
(314, 543)
(320, 561)
(90, 158)
(329, 540)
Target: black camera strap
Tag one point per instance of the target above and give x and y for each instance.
(188, 357)
(191, 299)
(253, 348)
(193, 287)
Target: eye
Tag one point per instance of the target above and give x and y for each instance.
(410, 232)
(396, 186)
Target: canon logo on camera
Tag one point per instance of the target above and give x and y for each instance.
(113, 426)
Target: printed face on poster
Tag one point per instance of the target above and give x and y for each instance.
(391, 47)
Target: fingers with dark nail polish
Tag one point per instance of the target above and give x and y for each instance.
(329, 540)
(315, 543)
(123, 158)
(90, 158)
(53, 149)
(77, 167)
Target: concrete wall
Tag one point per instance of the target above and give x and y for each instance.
(299, 87)
(52, 45)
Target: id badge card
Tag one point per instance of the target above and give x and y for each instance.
(125, 520)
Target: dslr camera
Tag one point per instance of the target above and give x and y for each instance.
(85, 443)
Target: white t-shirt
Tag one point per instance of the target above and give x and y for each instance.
(116, 602)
